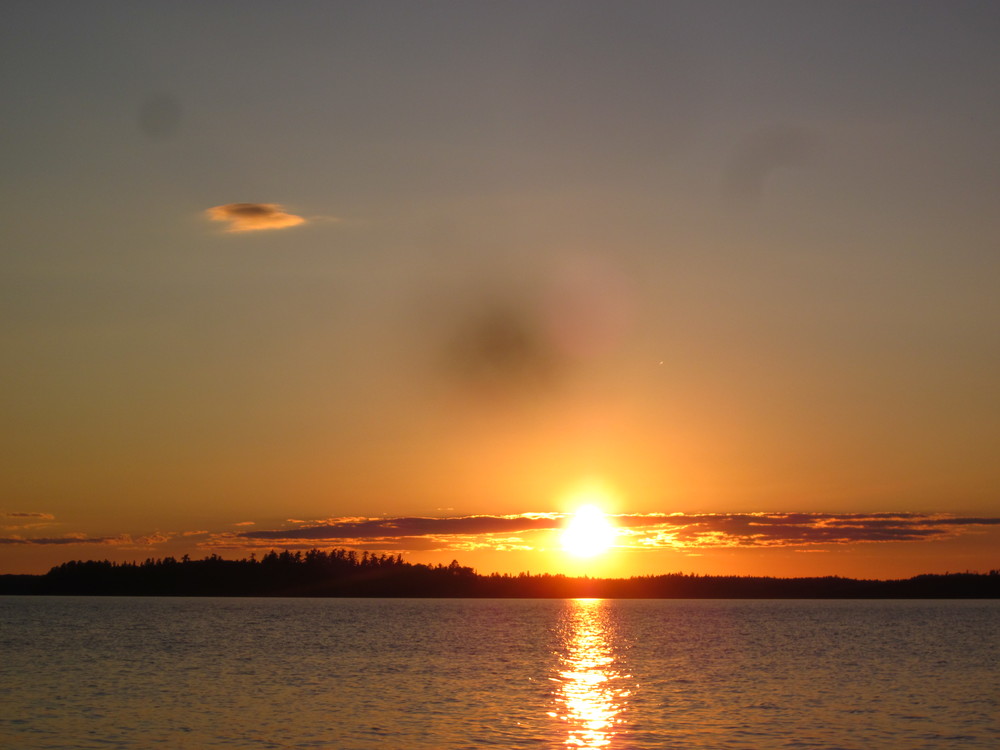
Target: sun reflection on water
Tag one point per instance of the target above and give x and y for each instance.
(592, 692)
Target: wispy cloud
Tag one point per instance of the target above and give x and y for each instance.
(122, 540)
(250, 217)
(71, 539)
(23, 520)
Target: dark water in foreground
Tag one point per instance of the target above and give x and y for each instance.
(426, 673)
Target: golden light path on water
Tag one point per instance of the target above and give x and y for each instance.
(592, 693)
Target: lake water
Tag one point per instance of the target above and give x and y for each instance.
(432, 673)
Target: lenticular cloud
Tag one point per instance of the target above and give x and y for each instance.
(249, 217)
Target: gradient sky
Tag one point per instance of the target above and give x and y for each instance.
(393, 275)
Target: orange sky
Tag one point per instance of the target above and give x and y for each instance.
(730, 261)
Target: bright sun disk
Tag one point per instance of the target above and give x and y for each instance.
(588, 533)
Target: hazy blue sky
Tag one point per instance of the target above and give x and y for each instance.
(715, 257)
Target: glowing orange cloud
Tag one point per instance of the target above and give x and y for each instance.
(250, 217)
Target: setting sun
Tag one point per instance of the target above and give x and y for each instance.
(588, 533)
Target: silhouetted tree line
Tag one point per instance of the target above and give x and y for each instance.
(346, 573)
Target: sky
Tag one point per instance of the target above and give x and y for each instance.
(424, 277)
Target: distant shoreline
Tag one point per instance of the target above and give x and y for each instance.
(345, 573)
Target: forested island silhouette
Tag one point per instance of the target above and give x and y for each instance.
(345, 573)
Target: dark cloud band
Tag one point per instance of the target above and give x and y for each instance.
(402, 527)
(123, 540)
(637, 531)
(646, 531)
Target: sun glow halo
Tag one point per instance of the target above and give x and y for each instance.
(589, 533)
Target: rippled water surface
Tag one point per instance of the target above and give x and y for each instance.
(431, 673)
